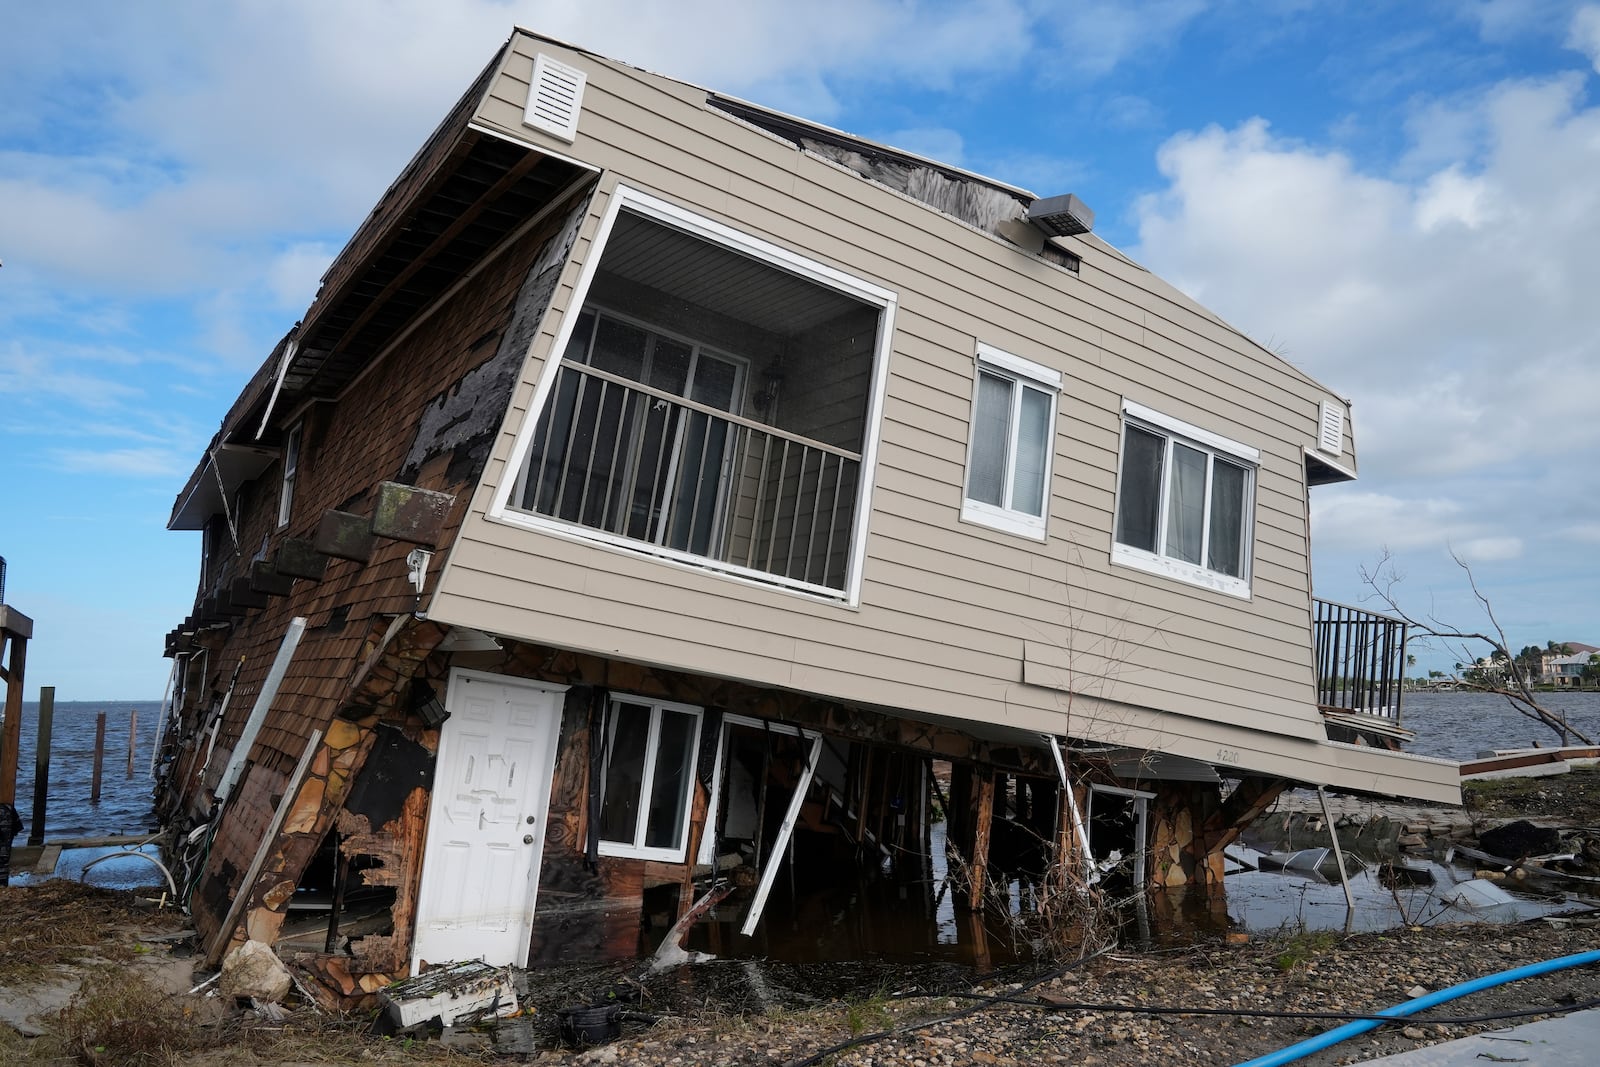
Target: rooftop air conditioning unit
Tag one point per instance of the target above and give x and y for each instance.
(1061, 216)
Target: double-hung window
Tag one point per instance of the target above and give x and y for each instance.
(291, 471)
(1012, 441)
(1185, 498)
(647, 782)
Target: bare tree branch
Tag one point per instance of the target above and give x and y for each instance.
(1382, 580)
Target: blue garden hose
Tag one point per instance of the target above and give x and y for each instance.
(1410, 1007)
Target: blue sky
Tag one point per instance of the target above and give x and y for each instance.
(1402, 198)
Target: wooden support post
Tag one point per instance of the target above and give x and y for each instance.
(959, 810)
(99, 757)
(133, 738)
(867, 755)
(341, 877)
(984, 816)
(41, 763)
(11, 734)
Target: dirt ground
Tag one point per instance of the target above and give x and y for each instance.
(88, 978)
(1571, 799)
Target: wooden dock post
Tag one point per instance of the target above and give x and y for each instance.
(133, 737)
(99, 756)
(15, 630)
(41, 763)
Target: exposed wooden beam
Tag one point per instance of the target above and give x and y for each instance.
(523, 166)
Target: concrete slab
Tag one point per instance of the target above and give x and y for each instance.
(1567, 1041)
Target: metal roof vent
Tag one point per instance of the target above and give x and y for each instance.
(1061, 216)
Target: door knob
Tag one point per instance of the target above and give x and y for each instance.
(527, 839)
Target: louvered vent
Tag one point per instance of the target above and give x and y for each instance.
(555, 98)
(1330, 430)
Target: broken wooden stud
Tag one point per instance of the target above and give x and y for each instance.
(343, 535)
(407, 513)
(672, 953)
(299, 558)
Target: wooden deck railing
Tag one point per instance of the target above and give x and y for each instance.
(632, 461)
(1361, 659)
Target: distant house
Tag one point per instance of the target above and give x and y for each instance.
(660, 484)
(1566, 670)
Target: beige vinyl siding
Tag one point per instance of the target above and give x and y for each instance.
(952, 616)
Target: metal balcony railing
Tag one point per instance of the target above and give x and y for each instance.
(694, 482)
(1361, 659)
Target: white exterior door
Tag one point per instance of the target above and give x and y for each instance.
(486, 823)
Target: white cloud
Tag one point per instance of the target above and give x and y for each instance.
(294, 273)
(1583, 33)
(1098, 35)
(1490, 549)
(935, 142)
(165, 463)
(1344, 518)
(1454, 304)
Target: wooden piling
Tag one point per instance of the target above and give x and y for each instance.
(133, 737)
(99, 756)
(41, 763)
(983, 819)
(15, 629)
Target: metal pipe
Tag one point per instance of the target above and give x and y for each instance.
(1072, 805)
(1338, 853)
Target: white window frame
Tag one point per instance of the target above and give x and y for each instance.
(1134, 414)
(708, 846)
(1024, 374)
(291, 471)
(670, 214)
(1141, 799)
(637, 849)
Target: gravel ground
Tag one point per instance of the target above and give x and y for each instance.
(1209, 1003)
(1308, 973)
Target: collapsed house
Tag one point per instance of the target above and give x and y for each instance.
(658, 485)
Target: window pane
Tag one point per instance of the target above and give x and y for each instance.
(624, 772)
(714, 380)
(1033, 444)
(1139, 495)
(582, 333)
(1186, 504)
(669, 792)
(1226, 554)
(669, 366)
(619, 349)
(991, 433)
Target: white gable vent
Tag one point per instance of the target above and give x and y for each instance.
(555, 98)
(1330, 429)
